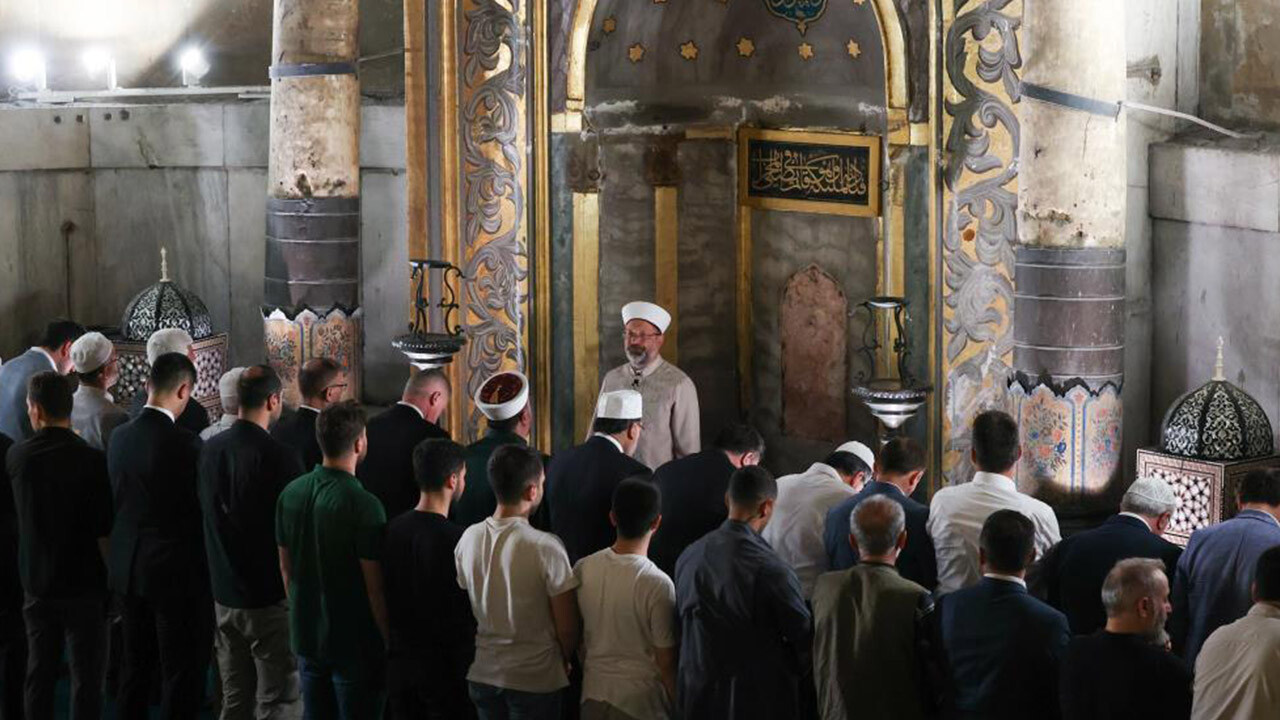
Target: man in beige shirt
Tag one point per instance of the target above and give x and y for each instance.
(671, 425)
(1238, 668)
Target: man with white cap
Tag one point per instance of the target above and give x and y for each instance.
(1072, 572)
(173, 340)
(670, 400)
(504, 401)
(229, 396)
(800, 512)
(95, 413)
(581, 480)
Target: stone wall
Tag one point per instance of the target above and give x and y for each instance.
(1240, 61)
(89, 195)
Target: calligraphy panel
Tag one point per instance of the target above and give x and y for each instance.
(829, 173)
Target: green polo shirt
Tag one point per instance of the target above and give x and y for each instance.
(329, 523)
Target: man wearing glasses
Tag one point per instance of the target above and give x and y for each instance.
(670, 399)
(321, 382)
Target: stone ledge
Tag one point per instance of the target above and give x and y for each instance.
(1215, 180)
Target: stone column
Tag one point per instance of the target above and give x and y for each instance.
(1069, 273)
(312, 279)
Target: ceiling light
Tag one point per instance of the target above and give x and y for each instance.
(193, 65)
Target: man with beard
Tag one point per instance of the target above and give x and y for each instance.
(670, 399)
(1122, 671)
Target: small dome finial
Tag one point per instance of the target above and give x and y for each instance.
(164, 265)
(1218, 375)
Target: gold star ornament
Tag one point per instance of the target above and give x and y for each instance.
(610, 24)
(635, 53)
(746, 47)
(855, 51)
(689, 51)
(859, 2)
(806, 51)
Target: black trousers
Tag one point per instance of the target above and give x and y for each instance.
(176, 635)
(79, 624)
(429, 688)
(13, 635)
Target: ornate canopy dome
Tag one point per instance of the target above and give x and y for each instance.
(1217, 421)
(165, 305)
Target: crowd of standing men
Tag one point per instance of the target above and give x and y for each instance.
(339, 567)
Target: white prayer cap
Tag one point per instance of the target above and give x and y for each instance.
(503, 395)
(229, 389)
(1150, 493)
(90, 351)
(647, 311)
(167, 340)
(863, 452)
(620, 405)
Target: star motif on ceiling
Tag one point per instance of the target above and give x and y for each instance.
(854, 49)
(610, 24)
(636, 53)
(746, 47)
(859, 2)
(806, 51)
(802, 26)
(689, 51)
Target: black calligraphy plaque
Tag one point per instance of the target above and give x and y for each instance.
(811, 172)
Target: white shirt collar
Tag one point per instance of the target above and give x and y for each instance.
(1006, 578)
(167, 413)
(308, 407)
(900, 491)
(415, 408)
(611, 439)
(1004, 482)
(52, 363)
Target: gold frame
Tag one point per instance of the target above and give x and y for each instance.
(871, 142)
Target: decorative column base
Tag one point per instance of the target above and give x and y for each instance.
(1071, 440)
(292, 338)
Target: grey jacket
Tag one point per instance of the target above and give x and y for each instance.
(94, 415)
(13, 392)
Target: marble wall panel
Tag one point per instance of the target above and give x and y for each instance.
(247, 134)
(247, 211)
(44, 139)
(150, 136)
(626, 241)
(384, 252)
(562, 360)
(382, 140)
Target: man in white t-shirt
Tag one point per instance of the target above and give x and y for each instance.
(522, 595)
(628, 615)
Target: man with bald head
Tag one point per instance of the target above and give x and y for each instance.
(321, 383)
(387, 471)
(871, 625)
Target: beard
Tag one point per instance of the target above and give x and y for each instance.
(637, 356)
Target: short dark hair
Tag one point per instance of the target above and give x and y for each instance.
(739, 438)
(751, 485)
(316, 375)
(611, 426)
(637, 502)
(1008, 539)
(60, 331)
(434, 460)
(52, 393)
(256, 385)
(1266, 575)
(512, 468)
(339, 427)
(902, 456)
(846, 463)
(1261, 486)
(995, 441)
(506, 425)
(171, 370)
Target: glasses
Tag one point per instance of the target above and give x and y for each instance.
(633, 335)
(336, 386)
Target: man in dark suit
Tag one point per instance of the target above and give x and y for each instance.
(387, 471)
(13, 634)
(321, 384)
(173, 340)
(52, 353)
(693, 489)
(1001, 647)
(156, 561)
(1212, 585)
(1124, 671)
(899, 468)
(63, 500)
(1070, 576)
(503, 399)
(581, 480)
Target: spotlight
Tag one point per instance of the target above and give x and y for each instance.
(193, 65)
(98, 61)
(27, 66)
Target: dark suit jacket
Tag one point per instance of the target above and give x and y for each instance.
(917, 562)
(194, 417)
(298, 431)
(387, 471)
(1119, 677)
(478, 501)
(14, 375)
(580, 487)
(157, 546)
(1002, 651)
(1073, 570)
(10, 582)
(693, 489)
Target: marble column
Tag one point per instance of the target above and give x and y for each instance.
(312, 274)
(1069, 270)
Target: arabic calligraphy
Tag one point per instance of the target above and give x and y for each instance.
(800, 12)
(808, 172)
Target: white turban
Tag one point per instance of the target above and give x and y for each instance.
(168, 340)
(90, 351)
(620, 405)
(229, 389)
(863, 452)
(647, 311)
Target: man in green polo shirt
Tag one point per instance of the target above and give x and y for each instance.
(328, 529)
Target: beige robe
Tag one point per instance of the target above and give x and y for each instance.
(671, 425)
